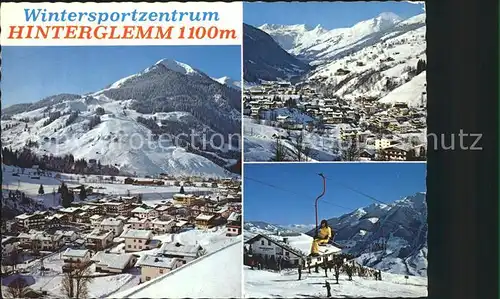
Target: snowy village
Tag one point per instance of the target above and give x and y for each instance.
(63, 237)
(360, 98)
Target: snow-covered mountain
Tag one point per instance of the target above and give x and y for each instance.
(392, 238)
(264, 59)
(229, 82)
(319, 44)
(369, 60)
(121, 125)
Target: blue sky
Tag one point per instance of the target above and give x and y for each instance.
(285, 193)
(329, 14)
(32, 73)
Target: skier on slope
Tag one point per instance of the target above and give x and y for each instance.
(323, 237)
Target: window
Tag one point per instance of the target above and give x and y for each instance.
(134, 240)
(148, 278)
(140, 241)
(262, 242)
(269, 243)
(135, 247)
(140, 247)
(184, 262)
(161, 271)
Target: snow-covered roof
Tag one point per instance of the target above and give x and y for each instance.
(140, 210)
(137, 220)
(66, 233)
(233, 217)
(96, 217)
(112, 222)
(157, 261)
(75, 252)
(204, 217)
(179, 249)
(23, 216)
(99, 234)
(181, 223)
(112, 260)
(162, 222)
(137, 234)
(200, 275)
(69, 210)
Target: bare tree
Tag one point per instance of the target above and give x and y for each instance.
(83, 278)
(302, 151)
(350, 150)
(279, 150)
(18, 288)
(75, 283)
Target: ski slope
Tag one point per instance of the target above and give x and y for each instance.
(285, 284)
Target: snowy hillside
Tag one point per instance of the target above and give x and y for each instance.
(138, 124)
(284, 284)
(370, 59)
(260, 141)
(391, 238)
(229, 82)
(377, 68)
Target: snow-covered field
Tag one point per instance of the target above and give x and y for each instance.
(50, 280)
(216, 275)
(260, 141)
(25, 183)
(285, 284)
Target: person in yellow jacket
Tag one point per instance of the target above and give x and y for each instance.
(323, 237)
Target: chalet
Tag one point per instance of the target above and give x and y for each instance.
(160, 226)
(144, 212)
(56, 220)
(384, 143)
(180, 225)
(36, 240)
(128, 181)
(68, 236)
(71, 212)
(164, 210)
(37, 220)
(139, 223)
(186, 253)
(233, 224)
(75, 259)
(204, 221)
(269, 248)
(398, 152)
(113, 262)
(99, 239)
(367, 154)
(112, 224)
(83, 217)
(96, 220)
(154, 266)
(117, 208)
(184, 199)
(137, 240)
